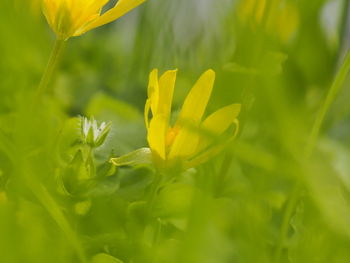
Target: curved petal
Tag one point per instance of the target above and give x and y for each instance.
(211, 152)
(221, 119)
(121, 8)
(197, 100)
(217, 123)
(85, 11)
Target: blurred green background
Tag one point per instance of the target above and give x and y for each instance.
(263, 199)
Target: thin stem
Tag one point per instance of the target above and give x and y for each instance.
(90, 161)
(54, 210)
(293, 200)
(343, 27)
(315, 131)
(332, 93)
(158, 231)
(38, 189)
(151, 201)
(51, 65)
(221, 180)
(153, 193)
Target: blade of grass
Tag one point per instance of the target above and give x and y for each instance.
(54, 210)
(310, 146)
(332, 94)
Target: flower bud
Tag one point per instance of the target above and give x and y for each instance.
(92, 133)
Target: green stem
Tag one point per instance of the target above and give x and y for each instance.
(54, 210)
(153, 193)
(51, 65)
(343, 26)
(221, 180)
(90, 162)
(332, 93)
(158, 232)
(293, 200)
(51, 206)
(315, 131)
(151, 201)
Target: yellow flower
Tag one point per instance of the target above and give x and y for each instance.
(74, 17)
(190, 141)
(282, 17)
(252, 9)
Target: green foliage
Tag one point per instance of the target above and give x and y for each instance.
(280, 192)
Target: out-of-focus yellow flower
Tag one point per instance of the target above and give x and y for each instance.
(287, 21)
(190, 141)
(280, 17)
(74, 17)
(251, 9)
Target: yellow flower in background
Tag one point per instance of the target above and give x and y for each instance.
(281, 17)
(252, 9)
(74, 17)
(190, 141)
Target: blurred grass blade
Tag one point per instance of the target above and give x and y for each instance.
(331, 95)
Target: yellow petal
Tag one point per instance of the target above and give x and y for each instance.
(212, 151)
(50, 11)
(217, 123)
(205, 156)
(191, 141)
(160, 95)
(166, 91)
(185, 143)
(153, 90)
(156, 135)
(121, 8)
(197, 100)
(146, 113)
(85, 11)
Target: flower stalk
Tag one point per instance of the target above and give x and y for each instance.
(50, 68)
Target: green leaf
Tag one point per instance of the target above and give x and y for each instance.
(104, 105)
(140, 156)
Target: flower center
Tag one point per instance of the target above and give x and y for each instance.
(171, 135)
